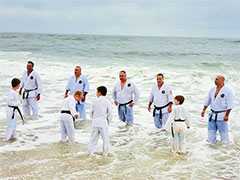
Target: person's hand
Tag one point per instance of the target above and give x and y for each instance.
(66, 95)
(131, 104)
(75, 116)
(169, 109)
(20, 92)
(149, 108)
(202, 113)
(83, 99)
(225, 118)
(38, 97)
(116, 103)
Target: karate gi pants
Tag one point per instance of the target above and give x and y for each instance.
(30, 103)
(67, 128)
(96, 131)
(179, 140)
(11, 127)
(125, 114)
(159, 123)
(222, 127)
(81, 109)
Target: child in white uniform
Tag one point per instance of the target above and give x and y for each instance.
(177, 124)
(68, 113)
(101, 113)
(12, 107)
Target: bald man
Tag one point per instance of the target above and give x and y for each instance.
(220, 99)
(78, 82)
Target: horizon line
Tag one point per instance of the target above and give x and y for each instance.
(126, 35)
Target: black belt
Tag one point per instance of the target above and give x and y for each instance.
(27, 91)
(172, 130)
(125, 105)
(216, 113)
(179, 120)
(16, 108)
(159, 108)
(68, 112)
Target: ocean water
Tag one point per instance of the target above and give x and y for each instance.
(136, 152)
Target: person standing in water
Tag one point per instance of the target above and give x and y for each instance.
(12, 109)
(32, 85)
(125, 96)
(68, 114)
(220, 99)
(101, 114)
(162, 98)
(178, 123)
(78, 82)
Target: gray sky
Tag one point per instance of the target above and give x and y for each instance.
(190, 18)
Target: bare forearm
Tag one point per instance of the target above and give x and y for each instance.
(203, 111)
(66, 93)
(204, 108)
(149, 104)
(228, 112)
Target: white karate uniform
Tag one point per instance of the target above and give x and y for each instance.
(101, 113)
(33, 84)
(124, 95)
(222, 102)
(12, 100)
(82, 85)
(159, 98)
(66, 120)
(127, 93)
(178, 128)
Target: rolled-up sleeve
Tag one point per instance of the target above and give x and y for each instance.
(114, 94)
(208, 99)
(86, 86)
(136, 94)
(230, 100)
(39, 84)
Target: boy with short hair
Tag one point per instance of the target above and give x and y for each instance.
(12, 107)
(178, 123)
(101, 114)
(68, 115)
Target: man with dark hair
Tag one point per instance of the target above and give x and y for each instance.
(125, 95)
(162, 98)
(220, 99)
(32, 85)
(160, 74)
(30, 62)
(78, 82)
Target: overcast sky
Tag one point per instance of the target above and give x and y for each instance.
(189, 18)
